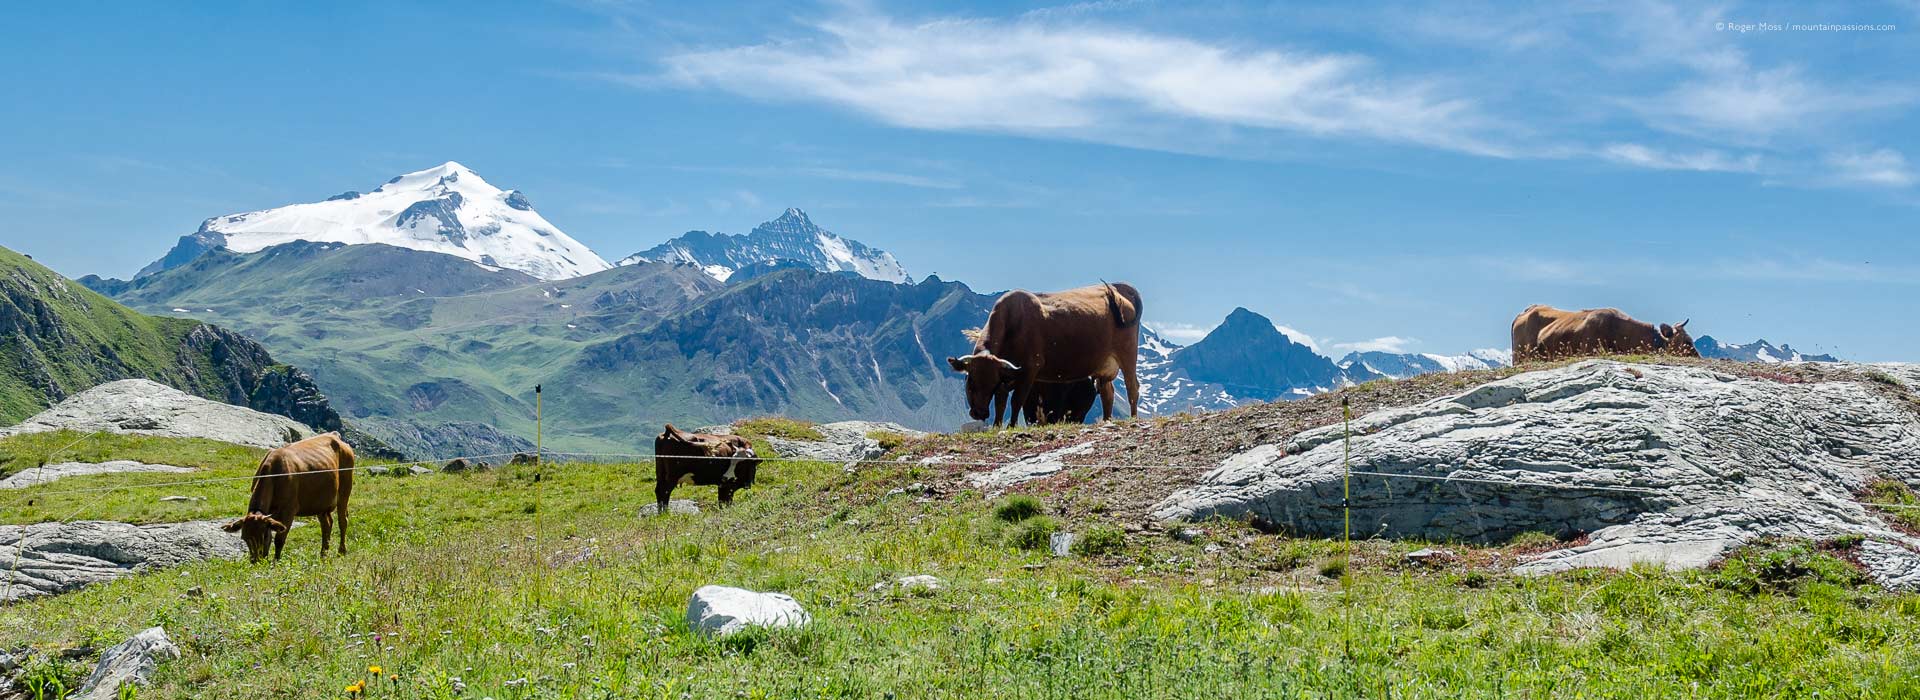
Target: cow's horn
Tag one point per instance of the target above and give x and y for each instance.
(1011, 367)
(1682, 324)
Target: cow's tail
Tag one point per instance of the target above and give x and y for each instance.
(1122, 316)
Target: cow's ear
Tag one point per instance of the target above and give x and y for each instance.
(959, 365)
(1666, 331)
(275, 525)
(234, 526)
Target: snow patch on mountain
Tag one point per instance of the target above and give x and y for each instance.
(791, 237)
(1400, 365)
(444, 209)
(1756, 351)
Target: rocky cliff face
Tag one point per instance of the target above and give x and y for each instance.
(794, 342)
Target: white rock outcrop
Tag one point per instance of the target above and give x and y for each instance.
(34, 476)
(1027, 469)
(922, 584)
(131, 662)
(846, 441)
(718, 611)
(49, 558)
(145, 407)
(1660, 464)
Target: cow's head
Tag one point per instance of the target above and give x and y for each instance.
(1676, 340)
(986, 374)
(258, 531)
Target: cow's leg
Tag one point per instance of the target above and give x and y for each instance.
(342, 512)
(999, 407)
(1133, 389)
(326, 532)
(726, 495)
(1022, 393)
(663, 492)
(280, 539)
(1106, 398)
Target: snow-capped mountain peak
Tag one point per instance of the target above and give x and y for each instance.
(447, 209)
(1756, 351)
(791, 237)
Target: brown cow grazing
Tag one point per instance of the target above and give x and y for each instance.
(1546, 333)
(1055, 337)
(310, 477)
(726, 461)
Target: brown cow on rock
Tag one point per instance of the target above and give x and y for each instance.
(1546, 333)
(310, 477)
(1055, 337)
(726, 461)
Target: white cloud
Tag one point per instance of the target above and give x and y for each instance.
(1704, 161)
(1182, 333)
(1299, 337)
(1390, 343)
(1125, 86)
(1761, 102)
(1881, 168)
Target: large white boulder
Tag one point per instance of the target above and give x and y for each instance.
(55, 557)
(131, 662)
(145, 407)
(718, 611)
(1667, 465)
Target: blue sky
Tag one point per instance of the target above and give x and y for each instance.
(1373, 175)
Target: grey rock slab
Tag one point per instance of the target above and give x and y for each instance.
(33, 476)
(1027, 469)
(132, 662)
(719, 611)
(1061, 543)
(923, 583)
(1893, 566)
(1662, 465)
(846, 441)
(676, 507)
(59, 557)
(145, 407)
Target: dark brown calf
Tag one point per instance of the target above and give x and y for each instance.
(310, 477)
(726, 461)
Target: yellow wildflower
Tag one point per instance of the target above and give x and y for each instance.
(375, 670)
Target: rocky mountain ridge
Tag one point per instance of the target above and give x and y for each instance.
(792, 237)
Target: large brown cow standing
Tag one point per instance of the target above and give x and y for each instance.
(1056, 337)
(310, 477)
(726, 461)
(1546, 333)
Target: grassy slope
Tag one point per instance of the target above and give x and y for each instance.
(111, 341)
(459, 576)
(368, 337)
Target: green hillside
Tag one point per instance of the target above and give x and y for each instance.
(58, 338)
